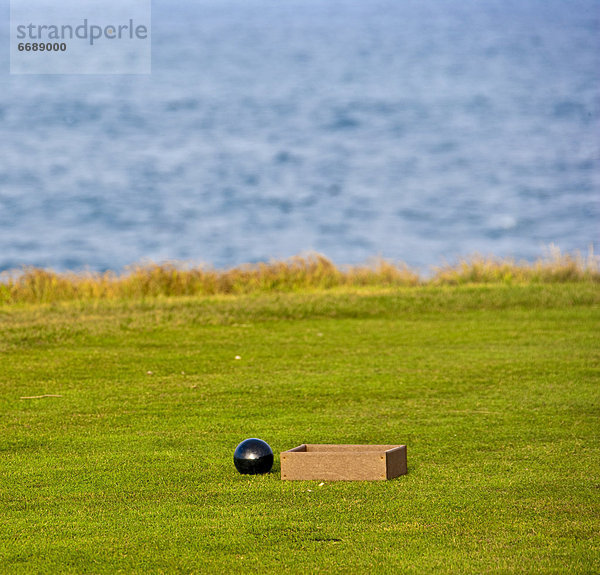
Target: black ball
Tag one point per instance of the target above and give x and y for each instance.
(253, 456)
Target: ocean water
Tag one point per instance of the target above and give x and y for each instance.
(415, 130)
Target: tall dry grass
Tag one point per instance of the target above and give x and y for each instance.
(554, 267)
(300, 273)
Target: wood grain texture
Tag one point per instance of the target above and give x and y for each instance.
(327, 462)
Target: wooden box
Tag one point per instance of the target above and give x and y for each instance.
(343, 462)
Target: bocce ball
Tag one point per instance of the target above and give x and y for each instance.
(253, 456)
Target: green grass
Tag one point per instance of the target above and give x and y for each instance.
(495, 390)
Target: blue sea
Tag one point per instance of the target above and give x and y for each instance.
(418, 131)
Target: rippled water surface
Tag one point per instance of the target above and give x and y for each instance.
(415, 130)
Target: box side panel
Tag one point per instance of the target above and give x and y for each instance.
(323, 447)
(299, 448)
(396, 462)
(345, 466)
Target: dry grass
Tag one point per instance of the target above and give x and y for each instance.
(300, 273)
(555, 267)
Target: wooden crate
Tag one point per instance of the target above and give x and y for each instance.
(343, 462)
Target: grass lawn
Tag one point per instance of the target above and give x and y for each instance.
(126, 465)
